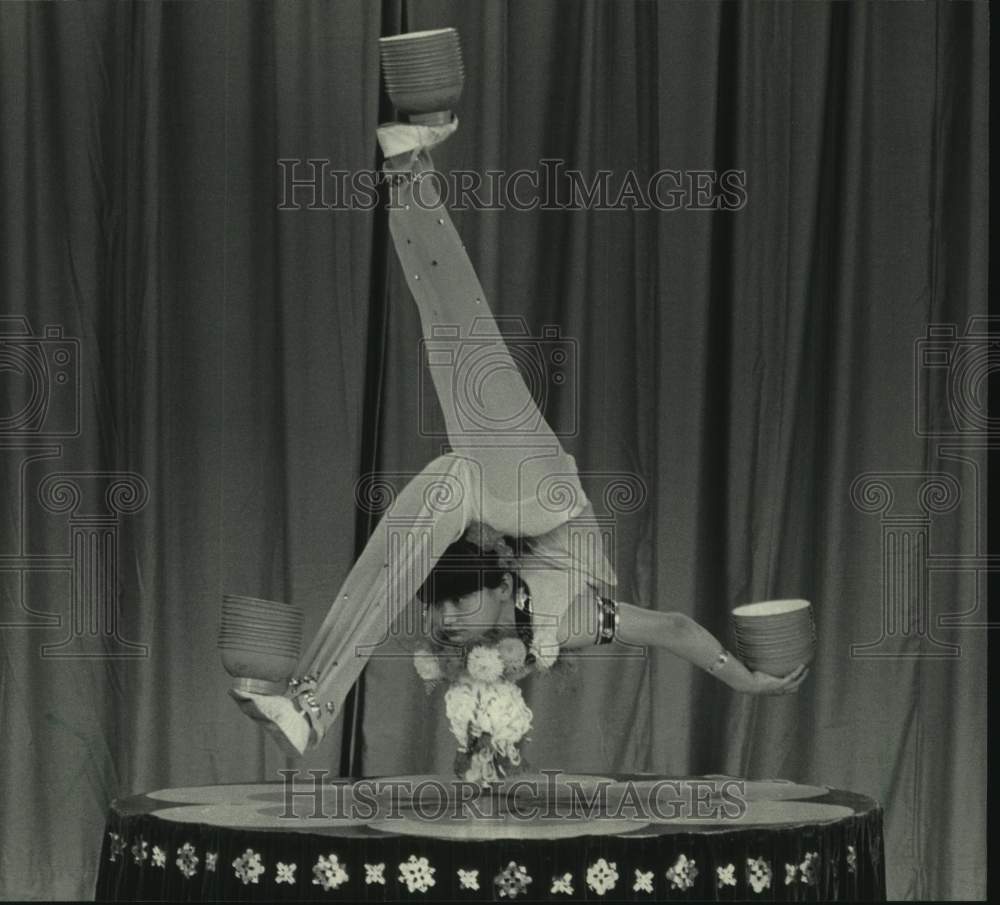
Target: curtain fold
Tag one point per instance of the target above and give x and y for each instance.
(738, 369)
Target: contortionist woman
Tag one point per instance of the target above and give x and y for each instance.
(496, 539)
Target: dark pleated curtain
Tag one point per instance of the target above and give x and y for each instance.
(249, 364)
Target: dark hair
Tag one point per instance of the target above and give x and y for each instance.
(465, 569)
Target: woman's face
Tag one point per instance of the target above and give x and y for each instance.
(464, 619)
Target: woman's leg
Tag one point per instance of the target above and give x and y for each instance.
(528, 483)
(428, 514)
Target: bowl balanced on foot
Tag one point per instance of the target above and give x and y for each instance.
(260, 641)
(423, 73)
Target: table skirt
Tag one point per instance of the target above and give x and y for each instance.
(146, 856)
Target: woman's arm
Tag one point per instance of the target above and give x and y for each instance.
(680, 635)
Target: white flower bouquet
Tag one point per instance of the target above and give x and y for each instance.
(489, 721)
(486, 712)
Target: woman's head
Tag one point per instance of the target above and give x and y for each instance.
(468, 592)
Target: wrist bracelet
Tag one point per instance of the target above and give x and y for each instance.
(607, 620)
(721, 659)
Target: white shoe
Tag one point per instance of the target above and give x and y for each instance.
(399, 139)
(286, 724)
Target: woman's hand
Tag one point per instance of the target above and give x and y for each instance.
(681, 635)
(762, 683)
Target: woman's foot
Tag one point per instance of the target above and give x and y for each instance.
(285, 723)
(401, 142)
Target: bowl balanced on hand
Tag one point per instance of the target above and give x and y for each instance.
(260, 642)
(775, 636)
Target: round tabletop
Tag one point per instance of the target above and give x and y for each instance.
(546, 836)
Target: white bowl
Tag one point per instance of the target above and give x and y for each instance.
(423, 71)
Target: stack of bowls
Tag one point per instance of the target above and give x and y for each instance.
(775, 636)
(423, 73)
(260, 642)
